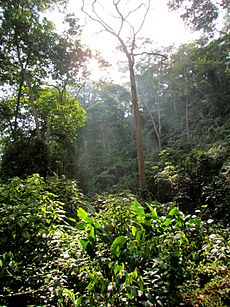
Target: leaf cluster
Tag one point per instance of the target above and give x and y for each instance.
(114, 251)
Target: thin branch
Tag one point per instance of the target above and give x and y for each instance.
(151, 53)
(102, 22)
(120, 14)
(80, 87)
(98, 19)
(144, 18)
(134, 10)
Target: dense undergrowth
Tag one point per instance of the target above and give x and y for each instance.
(57, 249)
(194, 179)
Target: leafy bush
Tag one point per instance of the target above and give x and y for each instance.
(23, 157)
(200, 179)
(210, 282)
(36, 243)
(142, 258)
(116, 252)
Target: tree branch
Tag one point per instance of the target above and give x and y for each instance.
(120, 14)
(144, 18)
(152, 53)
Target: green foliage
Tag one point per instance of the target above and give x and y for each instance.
(37, 242)
(115, 251)
(62, 115)
(193, 180)
(24, 157)
(210, 282)
(144, 258)
(31, 112)
(200, 15)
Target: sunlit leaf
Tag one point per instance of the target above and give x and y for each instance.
(137, 208)
(117, 244)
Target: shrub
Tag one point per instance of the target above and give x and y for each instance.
(117, 252)
(141, 257)
(37, 243)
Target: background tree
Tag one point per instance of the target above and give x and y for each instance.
(32, 55)
(151, 83)
(127, 44)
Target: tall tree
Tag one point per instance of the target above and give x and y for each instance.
(123, 23)
(32, 54)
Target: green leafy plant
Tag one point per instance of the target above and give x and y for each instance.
(116, 251)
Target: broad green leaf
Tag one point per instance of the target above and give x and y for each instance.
(83, 215)
(71, 219)
(173, 211)
(153, 211)
(115, 248)
(92, 232)
(84, 243)
(137, 208)
(167, 222)
(194, 221)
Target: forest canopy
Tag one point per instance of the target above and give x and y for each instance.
(113, 194)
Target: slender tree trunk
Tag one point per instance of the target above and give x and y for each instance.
(187, 117)
(155, 128)
(186, 73)
(34, 111)
(20, 86)
(17, 107)
(139, 142)
(47, 133)
(159, 125)
(174, 104)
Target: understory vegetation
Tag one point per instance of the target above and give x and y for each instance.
(57, 249)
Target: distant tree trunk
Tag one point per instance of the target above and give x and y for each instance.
(17, 107)
(174, 104)
(159, 125)
(187, 116)
(187, 84)
(157, 131)
(34, 111)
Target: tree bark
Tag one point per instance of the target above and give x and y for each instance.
(34, 111)
(138, 133)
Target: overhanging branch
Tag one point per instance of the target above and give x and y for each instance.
(152, 54)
